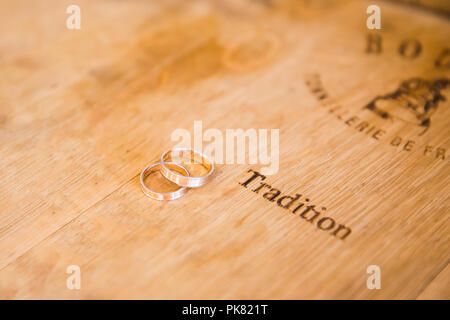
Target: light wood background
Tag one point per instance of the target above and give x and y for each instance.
(83, 111)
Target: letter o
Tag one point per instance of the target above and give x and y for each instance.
(321, 221)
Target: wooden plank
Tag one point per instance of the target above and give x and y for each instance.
(439, 288)
(84, 111)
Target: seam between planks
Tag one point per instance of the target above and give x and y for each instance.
(72, 220)
(432, 279)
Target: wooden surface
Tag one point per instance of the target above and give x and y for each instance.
(83, 111)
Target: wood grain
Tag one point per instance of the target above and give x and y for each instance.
(83, 111)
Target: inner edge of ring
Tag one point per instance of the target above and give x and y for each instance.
(146, 188)
(168, 152)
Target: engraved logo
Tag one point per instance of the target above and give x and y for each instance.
(415, 101)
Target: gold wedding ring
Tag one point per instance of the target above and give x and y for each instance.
(191, 155)
(160, 195)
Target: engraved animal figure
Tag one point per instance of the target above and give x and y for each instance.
(414, 101)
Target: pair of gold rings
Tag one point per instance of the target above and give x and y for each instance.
(177, 157)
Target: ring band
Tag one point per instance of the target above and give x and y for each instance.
(186, 181)
(160, 195)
